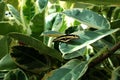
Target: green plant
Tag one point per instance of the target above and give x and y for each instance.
(44, 40)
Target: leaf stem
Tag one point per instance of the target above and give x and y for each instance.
(104, 55)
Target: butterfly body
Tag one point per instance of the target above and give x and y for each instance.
(66, 38)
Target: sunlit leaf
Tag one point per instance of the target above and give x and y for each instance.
(27, 10)
(58, 22)
(49, 20)
(86, 38)
(89, 18)
(14, 13)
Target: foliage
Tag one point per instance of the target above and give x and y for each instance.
(28, 50)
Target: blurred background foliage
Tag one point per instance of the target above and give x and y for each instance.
(29, 27)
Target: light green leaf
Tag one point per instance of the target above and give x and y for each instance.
(54, 22)
(27, 11)
(72, 70)
(6, 63)
(58, 22)
(86, 38)
(116, 74)
(41, 4)
(49, 20)
(51, 34)
(9, 26)
(15, 74)
(89, 18)
(14, 13)
(37, 44)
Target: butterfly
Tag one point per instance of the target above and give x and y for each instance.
(66, 38)
(61, 37)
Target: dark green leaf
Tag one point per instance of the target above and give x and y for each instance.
(37, 26)
(114, 25)
(2, 73)
(3, 46)
(16, 74)
(6, 63)
(38, 45)
(116, 13)
(9, 26)
(30, 59)
(116, 74)
(2, 10)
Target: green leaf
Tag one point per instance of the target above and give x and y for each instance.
(3, 46)
(14, 13)
(16, 74)
(55, 8)
(72, 70)
(114, 25)
(38, 45)
(54, 22)
(86, 38)
(2, 10)
(96, 2)
(9, 26)
(37, 26)
(2, 73)
(30, 59)
(48, 36)
(115, 14)
(57, 23)
(89, 18)
(41, 4)
(116, 74)
(51, 34)
(16, 4)
(6, 63)
(27, 10)
(49, 20)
